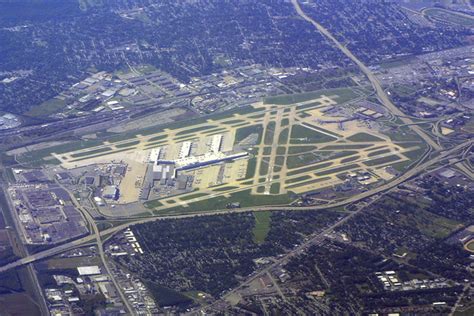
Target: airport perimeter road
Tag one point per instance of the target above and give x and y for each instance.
(381, 94)
(92, 238)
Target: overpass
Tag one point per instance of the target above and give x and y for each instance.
(381, 94)
(97, 235)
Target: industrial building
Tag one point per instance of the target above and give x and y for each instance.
(88, 270)
(9, 121)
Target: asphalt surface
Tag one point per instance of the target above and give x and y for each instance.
(96, 236)
(381, 94)
(92, 238)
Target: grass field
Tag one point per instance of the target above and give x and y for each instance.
(225, 188)
(433, 225)
(263, 167)
(308, 106)
(47, 108)
(310, 169)
(301, 160)
(364, 137)
(304, 135)
(91, 152)
(350, 159)
(298, 179)
(300, 149)
(165, 296)
(275, 188)
(70, 263)
(378, 152)
(397, 62)
(234, 122)
(245, 198)
(262, 226)
(129, 144)
(344, 94)
(381, 161)
(281, 150)
(283, 138)
(308, 182)
(337, 170)
(18, 304)
(244, 132)
(251, 167)
(153, 204)
(404, 89)
(279, 160)
(344, 147)
(296, 163)
(192, 196)
(160, 137)
(268, 140)
(465, 312)
(37, 158)
(415, 154)
(100, 154)
(195, 130)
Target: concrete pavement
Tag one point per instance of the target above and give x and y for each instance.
(92, 238)
(381, 94)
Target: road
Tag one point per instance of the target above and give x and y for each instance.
(92, 238)
(316, 240)
(381, 94)
(449, 11)
(96, 235)
(459, 300)
(21, 250)
(383, 97)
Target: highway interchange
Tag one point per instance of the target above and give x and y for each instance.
(423, 167)
(462, 150)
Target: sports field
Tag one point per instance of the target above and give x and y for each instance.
(296, 144)
(469, 246)
(443, 15)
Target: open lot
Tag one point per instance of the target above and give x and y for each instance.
(18, 304)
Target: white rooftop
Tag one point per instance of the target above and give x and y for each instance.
(88, 270)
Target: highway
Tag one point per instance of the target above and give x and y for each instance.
(381, 94)
(96, 235)
(316, 240)
(92, 238)
(21, 250)
(319, 238)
